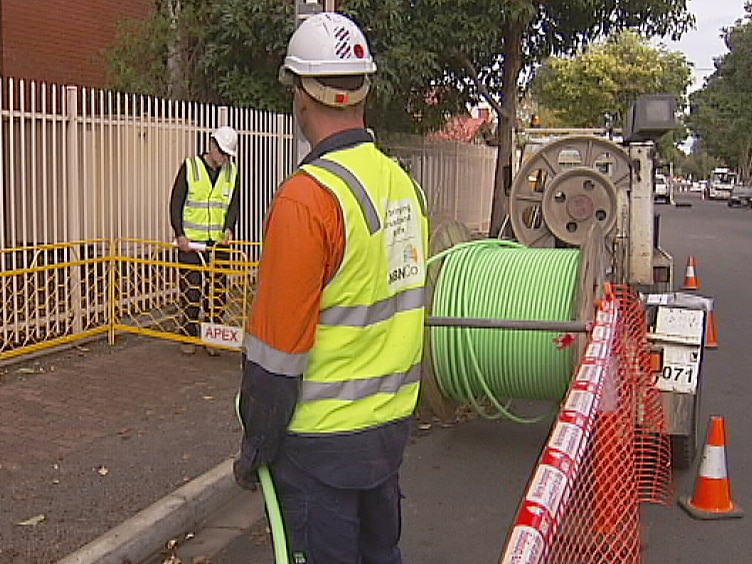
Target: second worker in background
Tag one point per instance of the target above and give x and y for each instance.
(203, 214)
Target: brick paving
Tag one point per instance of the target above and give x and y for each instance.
(90, 436)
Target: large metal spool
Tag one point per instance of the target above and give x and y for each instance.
(566, 187)
(568, 194)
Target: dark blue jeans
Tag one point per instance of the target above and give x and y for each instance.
(338, 526)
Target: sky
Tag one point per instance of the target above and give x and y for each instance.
(704, 43)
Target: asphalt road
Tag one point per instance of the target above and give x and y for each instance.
(462, 483)
(720, 240)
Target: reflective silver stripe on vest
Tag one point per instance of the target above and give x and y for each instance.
(273, 360)
(421, 197)
(351, 390)
(197, 164)
(357, 189)
(363, 316)
(203, 227)
(205, 204)
(195, 168)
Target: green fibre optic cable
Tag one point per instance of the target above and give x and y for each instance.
(279, 539)
(273, 513)
(503, 280)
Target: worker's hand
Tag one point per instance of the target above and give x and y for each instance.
(183, 243)
(227, 237)
(246, 474)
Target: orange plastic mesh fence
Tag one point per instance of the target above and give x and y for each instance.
(607, 452)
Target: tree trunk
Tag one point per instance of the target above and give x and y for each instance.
(175, 67)
(510, 72)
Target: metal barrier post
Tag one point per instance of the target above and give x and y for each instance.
(73, 197)
(114, 264)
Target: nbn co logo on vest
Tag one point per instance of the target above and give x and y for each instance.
(409, 267)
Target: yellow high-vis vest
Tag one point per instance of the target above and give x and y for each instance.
(364, 368)
(206, 205)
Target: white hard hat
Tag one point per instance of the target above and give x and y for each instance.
(327, 44)
(227, 140)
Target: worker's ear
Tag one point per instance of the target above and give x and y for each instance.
(301, 96)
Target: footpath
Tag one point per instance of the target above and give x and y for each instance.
(120, 446)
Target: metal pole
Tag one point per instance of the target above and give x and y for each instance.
(303, 9)
(73, 186)
(519, 324)
(223, 113)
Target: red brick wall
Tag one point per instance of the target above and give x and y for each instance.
(59, 41)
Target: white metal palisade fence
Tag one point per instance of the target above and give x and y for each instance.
(82, 169)
(81, 164)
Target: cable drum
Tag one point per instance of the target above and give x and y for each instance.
(499, 279)
(445, 234)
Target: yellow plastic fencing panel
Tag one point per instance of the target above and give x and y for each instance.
(242, 269)
(201, 296)
(145, 281)
(52, 294)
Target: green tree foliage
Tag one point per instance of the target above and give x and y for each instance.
(226, 52)
(443, 53)
(698, 164)
(145, 74)
(434, 56)
(162, 56)
(606, 79)
(721, 112)
(246, 45)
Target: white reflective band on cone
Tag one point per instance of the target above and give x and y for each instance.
(713, 464)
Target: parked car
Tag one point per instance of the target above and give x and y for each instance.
(741, 196)
(661, 191)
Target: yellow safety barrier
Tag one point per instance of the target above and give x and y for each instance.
(57, 294)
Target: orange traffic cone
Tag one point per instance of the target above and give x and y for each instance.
(711, 335)
(712, 496)
(691, 282)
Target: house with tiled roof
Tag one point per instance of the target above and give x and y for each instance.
(468, 128)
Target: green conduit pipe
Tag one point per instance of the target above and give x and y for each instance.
(504, 280)
(279, 539)
(273, 513)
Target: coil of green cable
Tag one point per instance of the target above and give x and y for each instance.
(503, 280)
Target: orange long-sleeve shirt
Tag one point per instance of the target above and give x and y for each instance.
(302, 249)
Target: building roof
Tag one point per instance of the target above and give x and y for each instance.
(464, 128)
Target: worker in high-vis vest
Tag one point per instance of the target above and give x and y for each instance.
(203, 213)
(335, 336)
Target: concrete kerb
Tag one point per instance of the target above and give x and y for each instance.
(144, 534)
